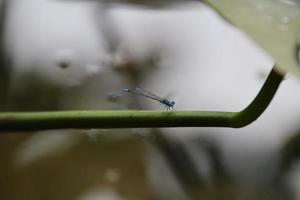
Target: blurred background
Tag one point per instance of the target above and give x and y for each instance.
(79, 55)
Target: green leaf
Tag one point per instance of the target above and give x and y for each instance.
(273, 24)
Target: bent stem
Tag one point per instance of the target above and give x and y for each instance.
(260, 103)
(28, 121)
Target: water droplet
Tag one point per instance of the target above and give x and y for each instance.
(64, 58)
(92, 69)
(290, 2)
(64, 65)
(260, 8)
(269, 18)
(285, 20)
(283, 27)
(92, 134)
(112, 175)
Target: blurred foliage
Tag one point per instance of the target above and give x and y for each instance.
(3, 59)
(290, 154)
(273, 24)
(151, 3)
(187, 173)
(104, 162)
(118, 163)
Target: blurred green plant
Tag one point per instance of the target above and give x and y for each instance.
(4, 77)
(273, 24)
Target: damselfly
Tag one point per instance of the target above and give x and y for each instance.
(168, 103)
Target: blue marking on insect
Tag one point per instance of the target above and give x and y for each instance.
(139, 91)
(126, 90)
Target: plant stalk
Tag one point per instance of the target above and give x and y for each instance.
(30, 121)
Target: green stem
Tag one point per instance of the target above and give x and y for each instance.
(260, 103)
(28, 121)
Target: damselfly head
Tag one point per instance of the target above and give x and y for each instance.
(172, 103)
